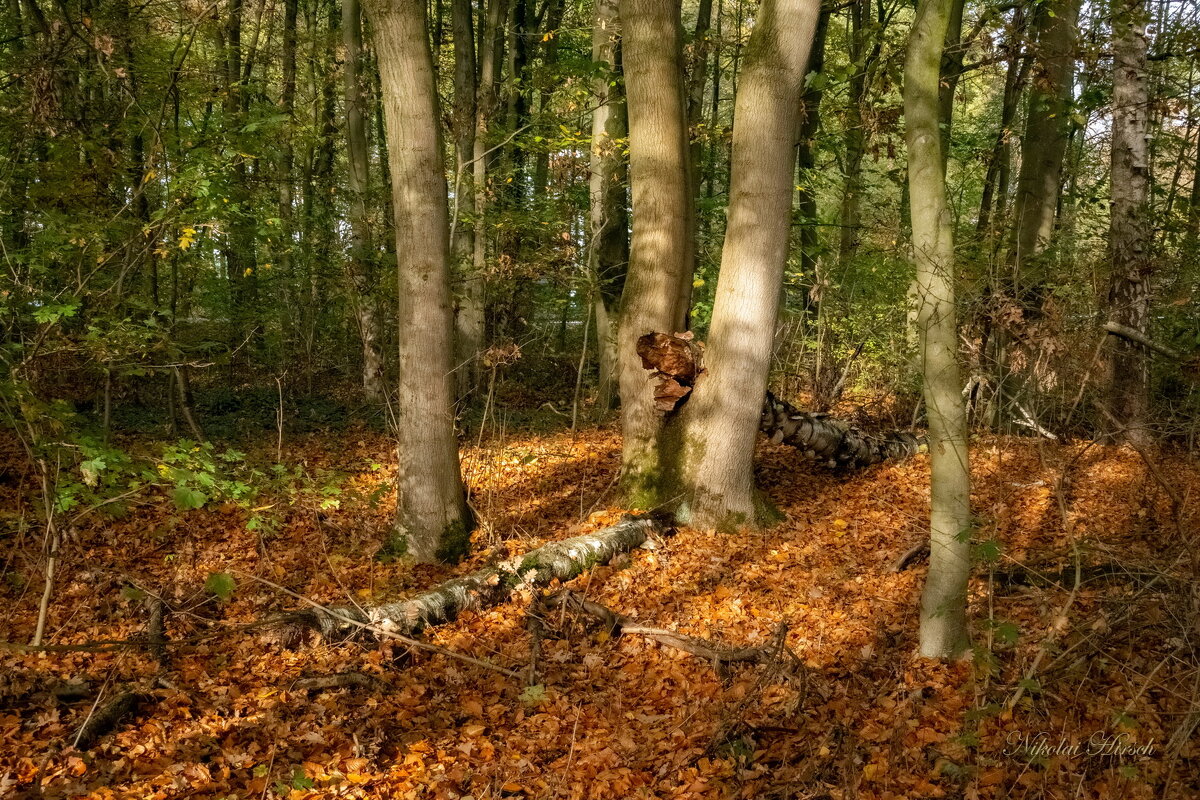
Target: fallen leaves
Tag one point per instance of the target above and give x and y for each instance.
(616, 717)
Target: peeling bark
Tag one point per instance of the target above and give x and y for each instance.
(834, 442)
(486, 587)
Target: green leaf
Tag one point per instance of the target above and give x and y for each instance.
(300, 780)
(989, 551)
(187, 499)
(132, 593)
(534, 694)
(1007, 632)
(1031, 685)
(221, 584)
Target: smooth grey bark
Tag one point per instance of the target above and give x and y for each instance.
(472, 296)
(360, 266)
(1044, 145)
(721, 420)
(1130, 226)
(943, 631)
(865, 47)
(995, 188)
(432, 521)
(468, 317)
(608, 216)
(661, 259)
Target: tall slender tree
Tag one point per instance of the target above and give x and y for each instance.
(468, 316)
(722, 417)
(361, 264)
(1130, 227)
(433, 521)
(608, 217)
(943, 602)
(1044, 146)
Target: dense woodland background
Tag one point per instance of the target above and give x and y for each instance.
(306, 303)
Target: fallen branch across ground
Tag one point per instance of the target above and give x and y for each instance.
(486, 587)
(719, 655)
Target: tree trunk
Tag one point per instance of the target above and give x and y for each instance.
(433, 522)
(1129, 236)
(697, 74)
(1043, 147)
(286, 167)
(361, 265)
(806, 197)
(722, 418)
(472, 300)
(562, 561)
(468, 317)
(1014, 79)
(943, 602)
(608, 218)
(661, 249)
(862, 62)
(953, 53)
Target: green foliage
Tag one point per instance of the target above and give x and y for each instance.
(220, 584)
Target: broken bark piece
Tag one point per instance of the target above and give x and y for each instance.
(675, 359)
(343, 680)
(106, 717)
(486, 587)
(833, 442)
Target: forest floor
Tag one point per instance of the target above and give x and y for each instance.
(1113, 660)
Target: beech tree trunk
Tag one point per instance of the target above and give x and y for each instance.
(433, 522)
(472, 297)
(1044, 146)
(361, 265)
(608, 218)
(661, 249)
(1129, 235)
(722, 417)
(865, 47)
(995, 190)
(806, 196)
(468, 316)
(943, 602)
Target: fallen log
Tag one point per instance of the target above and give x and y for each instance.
(486, 587)
(835, 443)
(675, 362)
